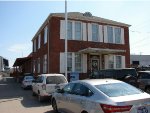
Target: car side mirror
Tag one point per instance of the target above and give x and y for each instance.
(60, 91)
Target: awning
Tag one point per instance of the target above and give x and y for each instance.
(101, 51)
(20, 61)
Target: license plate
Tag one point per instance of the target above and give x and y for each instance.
(140, 109)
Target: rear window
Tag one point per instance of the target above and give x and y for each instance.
(28, 77)
(118, 89)
(55, 80)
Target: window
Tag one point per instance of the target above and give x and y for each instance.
(69, 30)
(68, 88)
(118, 89)
(33, 66)
(110, 34)
(69, 61)
(77, 30)
(38, 65)
(45, 63)
(55, 80)
(39, 41)
(118, 62)
(81, 90)
(45, 34)
(118, 35)
(94, 32)
(34, 45)
(78, 66)
(111, 62)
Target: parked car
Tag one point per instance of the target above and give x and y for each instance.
(100, 96)
(46, 84)
(128, 75)
(27, 81)
(144, 80)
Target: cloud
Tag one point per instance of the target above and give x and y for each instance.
(17, 48)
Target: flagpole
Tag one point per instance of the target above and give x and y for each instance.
(66, 22)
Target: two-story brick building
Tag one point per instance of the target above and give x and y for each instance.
(94, 43)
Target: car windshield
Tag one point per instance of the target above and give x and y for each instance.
(55, 79)
(118, 89)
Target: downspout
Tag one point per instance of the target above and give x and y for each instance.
(48, 45)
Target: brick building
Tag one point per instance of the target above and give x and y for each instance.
(94, 43)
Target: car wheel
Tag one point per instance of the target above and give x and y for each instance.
(148, 90)
(40, 98)
(33, 93)
(54, 105)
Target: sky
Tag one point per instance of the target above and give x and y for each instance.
(20, 20)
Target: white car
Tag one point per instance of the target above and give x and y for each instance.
(100, 96)
(27, 82)
(46, 84)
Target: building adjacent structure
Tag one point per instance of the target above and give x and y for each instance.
(94, 43)
(4, 64)
(140, 60)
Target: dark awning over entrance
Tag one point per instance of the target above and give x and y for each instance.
(20, 61)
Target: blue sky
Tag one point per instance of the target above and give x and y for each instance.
(20, 20)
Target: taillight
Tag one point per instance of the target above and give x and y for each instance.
(44, 86)
(112, 109)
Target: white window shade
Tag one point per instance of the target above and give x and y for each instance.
(122, 36)
(123, 62)
(105, 34)
(84, 32)
(100, 33)
(89, 32)
(62, 29)
(62, 63)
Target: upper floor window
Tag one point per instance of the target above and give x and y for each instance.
(110, 34)
(69, 30)
(45, 34)
(39, 41)
(78, 31)
(94, 32)
(34, 45)
(117, 35)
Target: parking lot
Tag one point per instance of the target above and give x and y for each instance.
(13, 99)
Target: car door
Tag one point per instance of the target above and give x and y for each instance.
(79, 98)
(142, 80)
(37, 84)
(63, 98)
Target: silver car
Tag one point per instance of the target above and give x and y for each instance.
(100, 96)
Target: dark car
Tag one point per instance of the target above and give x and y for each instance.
(128, 75)
(144, 80)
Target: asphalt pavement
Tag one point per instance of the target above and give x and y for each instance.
(13, 99)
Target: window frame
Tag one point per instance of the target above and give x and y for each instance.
(78, 31)
(95, 32)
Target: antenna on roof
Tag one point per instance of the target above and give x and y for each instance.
(87, 14)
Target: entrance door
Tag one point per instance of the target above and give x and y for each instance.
(95, 64)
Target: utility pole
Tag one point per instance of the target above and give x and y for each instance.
(66, 49)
